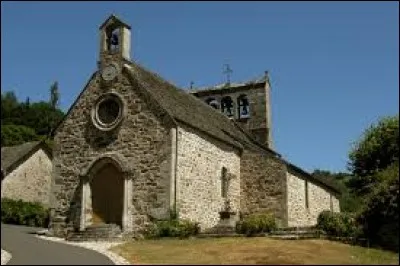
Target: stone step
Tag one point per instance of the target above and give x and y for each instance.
(300, 228)
(103, 228)
(315, 232)
(93, 235)
(220, 229)
(215, 235)
(107, 232)
(292, 237)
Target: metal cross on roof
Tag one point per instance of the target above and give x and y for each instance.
(228, 72)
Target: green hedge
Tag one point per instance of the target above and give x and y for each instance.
(338, 224)
(255, 224)
(24, 213)
(172, 228)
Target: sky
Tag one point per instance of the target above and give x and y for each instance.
(333, 65)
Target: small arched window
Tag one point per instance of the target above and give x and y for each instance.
(213, 103)
(227, 106)
(224, 182)
(306, 194)
(113, 41)
(243, 106)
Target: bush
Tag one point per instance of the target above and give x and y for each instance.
(338, 224)
(380, 217)
(172, 228)
(255, 224)
(16, 135)
(24, 213)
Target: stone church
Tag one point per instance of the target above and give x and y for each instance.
(133, 148)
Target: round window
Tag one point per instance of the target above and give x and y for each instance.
(108, 112)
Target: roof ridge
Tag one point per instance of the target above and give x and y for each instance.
(180, 90)
(187, 108)
(257, 80)
(13, 155)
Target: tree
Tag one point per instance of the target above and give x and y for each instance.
(54, 95)
(41, 117)
(27, 102)
(376, 150)
(8, 104)
(380, 217)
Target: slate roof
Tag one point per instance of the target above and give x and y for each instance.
(12, 156)
(190, 110)
(114, 19)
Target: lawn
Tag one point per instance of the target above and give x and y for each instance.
(258, 250)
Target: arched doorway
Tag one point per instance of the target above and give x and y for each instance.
(107, 193)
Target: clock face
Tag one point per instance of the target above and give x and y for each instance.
(109, 72)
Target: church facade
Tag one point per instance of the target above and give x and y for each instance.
(133, 148)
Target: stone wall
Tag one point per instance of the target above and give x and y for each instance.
(142, 140)
(263, 185)
(259, 121)
(319, 199)
(199, 167)
(30, 181)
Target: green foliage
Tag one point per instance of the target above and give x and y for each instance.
(26, 121)
(349, 202)
(17, 134)
(255, 224)
(172, 228)
(338, 224)
(42, 117)
(23, 213)
(9, 103)
(376, 150)
(380, 218)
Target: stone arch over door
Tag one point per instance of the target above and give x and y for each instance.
(106, 186)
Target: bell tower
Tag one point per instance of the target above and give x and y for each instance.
(115, 41)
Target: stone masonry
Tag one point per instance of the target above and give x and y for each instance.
(200, 161)
(258, 95)
(30, 181)
(142, 139)
(319, 199)
(262, 185)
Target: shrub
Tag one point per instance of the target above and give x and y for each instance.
(172, 228)
(24, 213)
(338, 224)
(16, 135)
(255, 224)
(380, 216)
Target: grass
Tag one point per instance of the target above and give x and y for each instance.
(258, 250)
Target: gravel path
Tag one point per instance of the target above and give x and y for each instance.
(5, 257)
(99, 246)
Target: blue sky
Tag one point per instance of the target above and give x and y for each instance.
(333, 65)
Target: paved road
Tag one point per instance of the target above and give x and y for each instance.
(26, 248)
